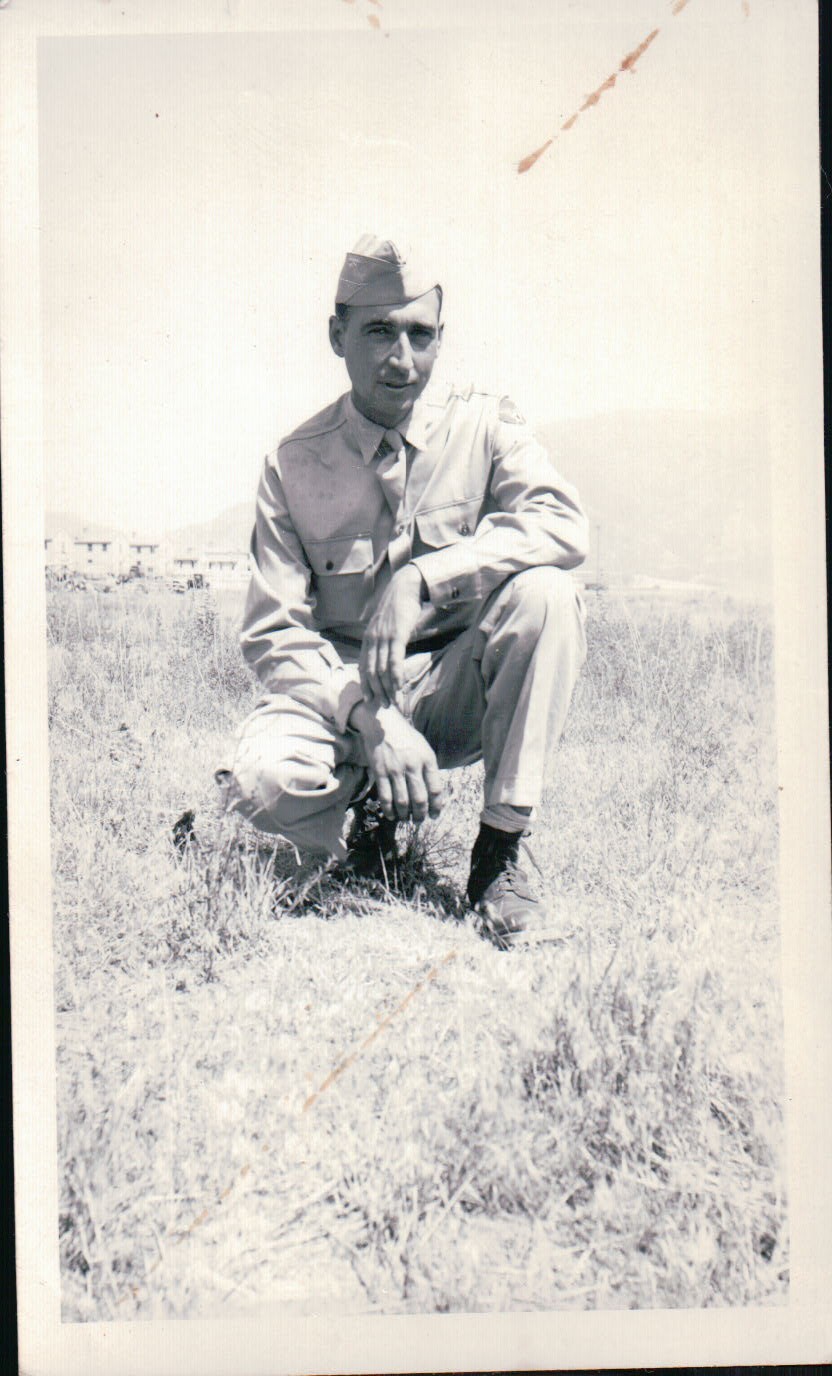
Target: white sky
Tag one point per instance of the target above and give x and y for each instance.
(198, 194)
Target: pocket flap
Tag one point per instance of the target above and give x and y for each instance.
(346, 554)
(442, 525)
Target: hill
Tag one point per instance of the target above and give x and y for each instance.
(77, 527)
(672, 495)
(231, 529)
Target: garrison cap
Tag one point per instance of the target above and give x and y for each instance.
(376, 273)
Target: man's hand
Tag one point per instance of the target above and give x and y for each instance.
(381, 665)
(400, 760)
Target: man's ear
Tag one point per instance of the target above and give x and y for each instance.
(440, 336)
(336, 335)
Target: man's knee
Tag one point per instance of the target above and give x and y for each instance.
(542, 596)
(273, 787)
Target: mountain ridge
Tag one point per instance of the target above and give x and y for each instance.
(674, 495)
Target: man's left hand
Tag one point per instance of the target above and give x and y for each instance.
(381, 664)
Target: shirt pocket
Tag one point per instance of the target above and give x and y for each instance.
(342, 577)
(452, 521)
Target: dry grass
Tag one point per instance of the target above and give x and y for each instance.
(275, 1089)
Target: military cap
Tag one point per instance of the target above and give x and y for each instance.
(376, 273)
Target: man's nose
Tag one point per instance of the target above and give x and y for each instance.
(402, 355)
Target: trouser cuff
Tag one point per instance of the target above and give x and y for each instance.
(505, 817)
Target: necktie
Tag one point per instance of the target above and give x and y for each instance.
(391, 470)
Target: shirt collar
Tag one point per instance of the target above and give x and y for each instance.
(368, 434)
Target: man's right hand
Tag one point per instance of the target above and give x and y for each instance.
(401, 762)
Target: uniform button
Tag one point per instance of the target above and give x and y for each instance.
(465, 529)
(454, 592)
(329, 564)
(399, 530)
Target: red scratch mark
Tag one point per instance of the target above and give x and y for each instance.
(333, 1075)
(376, 2)
(596, 95)
(385, 1022)
(746, 8)
(206, 1213)
(627, 65)
(531, 159)
(200, 1218)
(374, 20)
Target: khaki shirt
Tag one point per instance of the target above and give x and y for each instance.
(482, 501)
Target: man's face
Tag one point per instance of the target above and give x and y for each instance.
(389, 352)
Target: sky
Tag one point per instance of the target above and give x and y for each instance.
(198, 193)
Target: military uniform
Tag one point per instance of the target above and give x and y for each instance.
(465, 492)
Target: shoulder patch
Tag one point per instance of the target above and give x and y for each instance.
(509, 412)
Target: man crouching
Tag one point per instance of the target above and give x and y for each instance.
(410, 608)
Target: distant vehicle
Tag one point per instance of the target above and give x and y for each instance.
(197, 580)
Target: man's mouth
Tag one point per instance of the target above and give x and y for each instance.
(398, 386)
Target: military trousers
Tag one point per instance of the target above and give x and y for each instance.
(498, 693)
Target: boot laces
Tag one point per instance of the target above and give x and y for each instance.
(498, 866)
(512, 877)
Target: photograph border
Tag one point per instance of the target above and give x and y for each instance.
(801, 1330)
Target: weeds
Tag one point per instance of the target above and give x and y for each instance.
(596, 1123)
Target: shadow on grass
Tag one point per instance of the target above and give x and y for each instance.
(225, 852)
(329, 891)
(413, 879)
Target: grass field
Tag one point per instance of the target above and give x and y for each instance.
(278, 1090)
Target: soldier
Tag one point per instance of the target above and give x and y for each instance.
(410, 608)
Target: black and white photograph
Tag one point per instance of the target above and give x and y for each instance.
(420, 795)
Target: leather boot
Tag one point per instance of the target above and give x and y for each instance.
(371, 843)
(499, 888)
